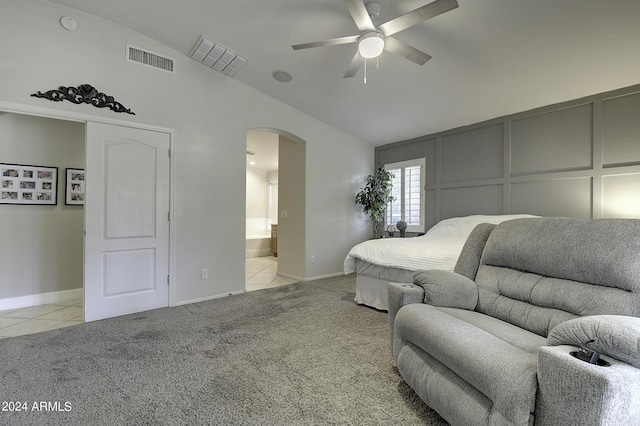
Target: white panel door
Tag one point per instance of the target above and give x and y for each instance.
(126, 221)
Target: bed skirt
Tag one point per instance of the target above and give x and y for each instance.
(372, 283)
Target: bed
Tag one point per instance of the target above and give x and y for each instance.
(378, 262)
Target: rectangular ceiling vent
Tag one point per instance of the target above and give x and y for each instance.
(144, 57)
(216, 56)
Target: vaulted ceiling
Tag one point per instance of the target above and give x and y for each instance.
(490, 57)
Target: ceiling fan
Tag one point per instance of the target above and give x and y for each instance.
(373, 40)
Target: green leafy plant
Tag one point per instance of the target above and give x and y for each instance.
(375, 196)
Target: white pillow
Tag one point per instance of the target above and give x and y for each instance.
(461, 227)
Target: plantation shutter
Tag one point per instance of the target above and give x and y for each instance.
(408, 183)
(394, 208)
(412, 195)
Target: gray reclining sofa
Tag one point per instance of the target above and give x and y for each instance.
(495, 342)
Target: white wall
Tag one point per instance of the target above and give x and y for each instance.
(211, 115)
(41, 250)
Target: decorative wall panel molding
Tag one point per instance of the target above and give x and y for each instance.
(579, 159)
(84, 94)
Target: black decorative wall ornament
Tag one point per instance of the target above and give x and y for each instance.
(84, 94)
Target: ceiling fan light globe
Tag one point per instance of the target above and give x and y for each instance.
(371, 45)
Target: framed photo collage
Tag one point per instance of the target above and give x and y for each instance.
(27, 184)
(23, 184)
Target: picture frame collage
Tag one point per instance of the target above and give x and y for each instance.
(74, 188)
(24, 184)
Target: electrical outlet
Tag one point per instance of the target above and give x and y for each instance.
(313, 259)
(204, 274)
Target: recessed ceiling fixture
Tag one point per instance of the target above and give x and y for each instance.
(251, 154)
(216, 56)
(374, 39)
(282, 76)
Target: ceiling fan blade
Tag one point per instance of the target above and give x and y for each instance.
(329, 42)
(360, 15)
(416, 16)
(354, 66)
(393, 45)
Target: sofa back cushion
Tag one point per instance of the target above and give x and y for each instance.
(537, 273)
(469, 258)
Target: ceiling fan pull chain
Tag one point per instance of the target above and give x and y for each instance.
(365, 71)
(377, 63)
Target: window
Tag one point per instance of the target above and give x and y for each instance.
(408, 190)
(273, 203)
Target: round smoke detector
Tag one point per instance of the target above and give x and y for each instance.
(69, 23)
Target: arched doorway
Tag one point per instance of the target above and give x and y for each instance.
(285, 208)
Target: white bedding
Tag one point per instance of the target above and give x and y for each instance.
(439, 248)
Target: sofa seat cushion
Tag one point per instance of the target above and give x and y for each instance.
(495, 357)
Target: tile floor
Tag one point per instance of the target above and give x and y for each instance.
(260, 273)
(17, 322)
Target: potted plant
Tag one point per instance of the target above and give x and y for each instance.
(402, 227)
(375, 196)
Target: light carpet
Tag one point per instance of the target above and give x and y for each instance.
(302, 354)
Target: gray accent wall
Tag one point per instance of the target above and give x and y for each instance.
(579, 159)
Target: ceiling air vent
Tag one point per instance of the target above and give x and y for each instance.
(216, 56)
(144, 57)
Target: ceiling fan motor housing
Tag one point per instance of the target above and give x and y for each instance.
(373, 9)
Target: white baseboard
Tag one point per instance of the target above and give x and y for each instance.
(41, 299)
(319, 277)
(293, 277)
(204, 299)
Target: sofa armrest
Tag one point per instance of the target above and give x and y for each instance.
(447, 289)
(400, 295)
(574, 392)
(617, 336)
